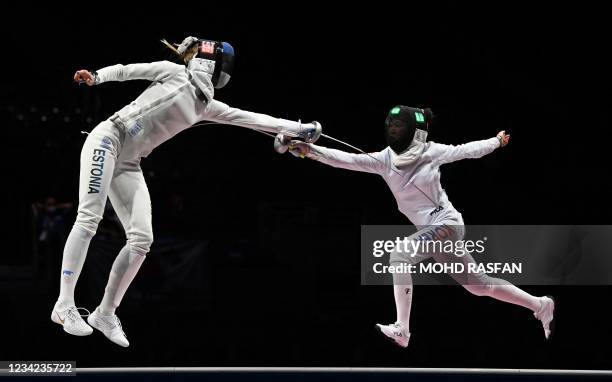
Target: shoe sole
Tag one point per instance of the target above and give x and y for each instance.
(379, 330)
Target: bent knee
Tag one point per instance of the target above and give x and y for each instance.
(140, 242)
(481, 286)
(479, 290)
(88, 220)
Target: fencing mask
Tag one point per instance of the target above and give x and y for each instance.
(406, 124)
(217, 57)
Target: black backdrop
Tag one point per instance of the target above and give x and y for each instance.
(279, 236)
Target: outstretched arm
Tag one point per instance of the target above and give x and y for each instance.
(153, 71)
(476, 149)
(222, 113)
(371, 163)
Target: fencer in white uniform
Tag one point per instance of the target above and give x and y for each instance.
(410, 166)
(179, 96)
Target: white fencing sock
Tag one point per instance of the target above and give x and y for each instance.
(122, 273)
(402, 289)
(75, 252)
(507, 292)
(504, 291)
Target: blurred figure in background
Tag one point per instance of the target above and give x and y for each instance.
(51, 231)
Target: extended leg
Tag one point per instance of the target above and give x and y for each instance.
(483, 285)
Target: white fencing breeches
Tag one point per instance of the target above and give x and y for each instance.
(102, 176)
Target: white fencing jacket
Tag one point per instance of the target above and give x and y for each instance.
(178, 97)
(416, 187)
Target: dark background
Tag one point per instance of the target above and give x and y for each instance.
(277, 281)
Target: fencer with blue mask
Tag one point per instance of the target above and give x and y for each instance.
(180, 96)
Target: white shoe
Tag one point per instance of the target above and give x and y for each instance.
(110, 326)
(546, 315)
(396, 333)
(71, 320)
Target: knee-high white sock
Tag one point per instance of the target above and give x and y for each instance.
(504, 291)
(122, 273)
(75, 252)
(402, 290)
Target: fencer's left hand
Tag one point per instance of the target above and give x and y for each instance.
(503, 138)
(299, 148)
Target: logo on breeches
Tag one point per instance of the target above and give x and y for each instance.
(96, 170)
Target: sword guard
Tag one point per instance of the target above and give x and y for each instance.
(281, 143)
